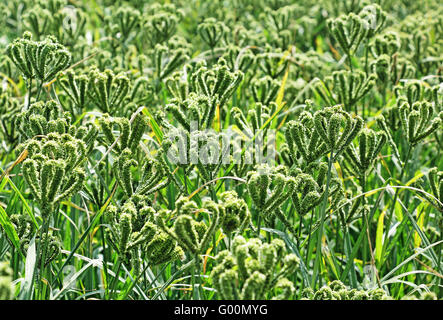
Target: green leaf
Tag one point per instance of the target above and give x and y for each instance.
(31, 258)
(420, 222)
(293, 247)
(91, 226)
(154, 125)
(398, 212)
(25, 203)
(379, 238)
(71, 281)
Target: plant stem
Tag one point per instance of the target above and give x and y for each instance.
(391, 212)
(348, 53)
(195, 269)
(309, 236)
(320, 231)
(105, 267)
(115, 280)
(42, 256)
(366, 56)
(39, 90)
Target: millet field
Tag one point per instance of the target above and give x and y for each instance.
(221, 150)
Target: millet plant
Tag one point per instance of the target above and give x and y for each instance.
(170, 150)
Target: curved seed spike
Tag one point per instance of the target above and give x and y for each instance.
(32, 177)
(333, 129)
(74, 184)
(184, 228)
(381, 122)
(320, 127)
(56, 180)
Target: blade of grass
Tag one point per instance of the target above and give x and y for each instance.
(71, 281)
(10, 230)
(293, 247)
(25, 203)
(379, 238)
(95, 220)
(172, 278)
(419, 252)
(31, 259)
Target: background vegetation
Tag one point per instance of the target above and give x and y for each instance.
(92, 93)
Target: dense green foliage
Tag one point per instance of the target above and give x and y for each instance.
(106, 106)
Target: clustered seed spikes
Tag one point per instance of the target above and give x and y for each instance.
(387, 43)
(53, 169)
(237, 58)
(307, 194)
(436, 183)
(417, 120)
(273, 63)
(348, 87)
(236, 213)
(76, 87)
(257, 118)
(158, 116)
(107, 90)
(211, 89)
(167, 61)
(382, 68)
(336, 128)
(211, 31)
(383, 125)
(254, 270)
(329, 130)
(160, 24)
(269, 188)
(265, 89)
(279, 19)
(204, 152)
(177, 84)
(375, 17)
(303, 139)
(25, 229)
(336, 290)
(420, 41)
(349, 31)
(9, 107)
(242, 162)
(41, 60)
(94, 187)
(176, 146)
(50, 247)
(391, 69)
(32, 20)
(42, 119)
(152, 174)
(310, 188)
(6, 287)
(412, 91)
(73, 26)
(401, 69)
(130, 133)
(133, 234)
(218, 81)
(54, 17)
(192, 235)
(362, 157)
(436, 95)
(123, 21)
